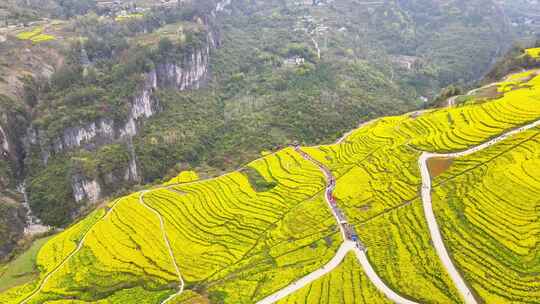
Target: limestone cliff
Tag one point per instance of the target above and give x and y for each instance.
(191, 72)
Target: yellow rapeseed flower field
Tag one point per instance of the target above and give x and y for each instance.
(533, 52)
(490, 219)
(36, 36)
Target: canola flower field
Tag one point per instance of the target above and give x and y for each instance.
(222, 232)
(236, 242)
(183, 177)
(378, 185)
(533, 52)
(127, 17)
(36, 36)
(489, 209)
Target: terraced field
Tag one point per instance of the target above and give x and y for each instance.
(489, 209)
(221, 231)
(36, 36)
(378, 182)
(534, 52)
(245, 235)
(51, 256)
(183, 177)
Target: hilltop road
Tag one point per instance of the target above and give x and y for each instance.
(430, 215)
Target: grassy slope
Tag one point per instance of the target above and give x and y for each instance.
(22, 269)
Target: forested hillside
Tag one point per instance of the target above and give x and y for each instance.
(100, 97)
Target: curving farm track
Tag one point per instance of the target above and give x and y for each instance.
(66, 259)
(360, 250)
(434, 230)
(350, 243)
(81, 244)
(168, 244)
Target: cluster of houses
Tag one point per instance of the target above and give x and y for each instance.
(296, 60)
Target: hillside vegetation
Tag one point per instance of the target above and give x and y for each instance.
(98, 97)
(244, 235)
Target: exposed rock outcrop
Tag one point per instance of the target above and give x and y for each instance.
(191, 73)
(85, 189)
(4, 144)
(32, 224)
(23, 145)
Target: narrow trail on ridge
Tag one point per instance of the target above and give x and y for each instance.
(434, 229)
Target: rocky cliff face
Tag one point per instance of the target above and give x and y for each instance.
(85, 189)
(4, 144)
(190, 73)
(105, 131)
(32, 224)
(220, 6)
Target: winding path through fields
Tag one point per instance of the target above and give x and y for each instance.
(360, 250)
(350, 243)
(79, 246)
(434, 230)
(168, 244)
